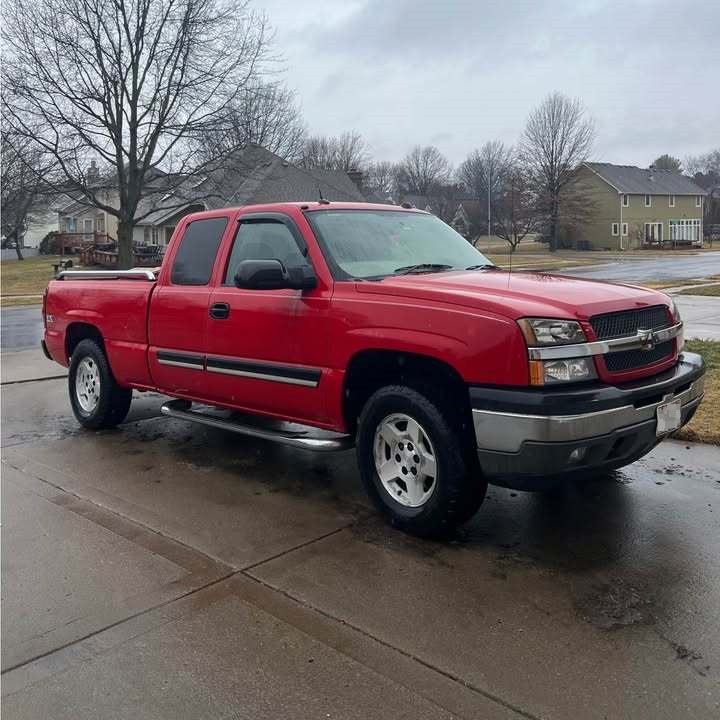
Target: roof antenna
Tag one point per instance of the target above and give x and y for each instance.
(322, 200)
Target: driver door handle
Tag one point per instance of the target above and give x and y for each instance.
(220, 311)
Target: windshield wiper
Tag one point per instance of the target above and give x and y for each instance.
(422, 267)
(483, 266)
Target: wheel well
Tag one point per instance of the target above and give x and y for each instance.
(370, 370)
(77, 332)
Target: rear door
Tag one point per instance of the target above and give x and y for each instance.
(179, 307)
(266, 349)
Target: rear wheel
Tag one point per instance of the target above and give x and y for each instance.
(97, 400)
(414, 463)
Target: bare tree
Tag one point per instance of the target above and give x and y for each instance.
(485, 171)
(21, 182)
(557, 138)
(705, 170)
(351, 152)
(382, 179)
(515, 213)
(345, 152)
(265, 114)
(707, 164)
(128, 84)
(424, 169)
(667, 162)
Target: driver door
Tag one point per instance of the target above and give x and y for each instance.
(265, 348)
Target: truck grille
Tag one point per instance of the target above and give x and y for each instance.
(633, 359)
(627, 323)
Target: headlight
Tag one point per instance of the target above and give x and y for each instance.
(675, 311)
(542, 331)
(549, 331)
(549, 372)
(680, 339)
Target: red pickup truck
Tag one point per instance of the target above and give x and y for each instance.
(326, 325)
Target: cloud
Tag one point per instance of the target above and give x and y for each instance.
(461, 72)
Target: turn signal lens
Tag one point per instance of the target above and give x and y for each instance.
(537, 372)
(548, 331)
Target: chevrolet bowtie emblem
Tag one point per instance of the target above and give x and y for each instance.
(648, 340)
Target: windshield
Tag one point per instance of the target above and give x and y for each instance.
(371, 244)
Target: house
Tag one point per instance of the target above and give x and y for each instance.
(637, 208)
(253, 176)
(249, 176)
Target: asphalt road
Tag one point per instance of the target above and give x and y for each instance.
(631, 269)
(20, 328)
(164, 570)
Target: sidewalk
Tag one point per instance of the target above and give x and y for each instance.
(701, 316)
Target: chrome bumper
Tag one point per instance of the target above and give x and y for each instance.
(506, 432)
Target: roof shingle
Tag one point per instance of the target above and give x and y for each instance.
(639, 181)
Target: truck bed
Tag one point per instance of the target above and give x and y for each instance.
(117, 307)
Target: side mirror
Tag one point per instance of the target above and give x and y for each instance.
(272, 275)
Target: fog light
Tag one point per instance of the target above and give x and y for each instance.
(577, 455)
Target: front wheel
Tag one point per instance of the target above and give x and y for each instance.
(414, 464)
(97, 400)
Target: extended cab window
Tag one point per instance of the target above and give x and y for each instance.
(264, 240)
(195, 257)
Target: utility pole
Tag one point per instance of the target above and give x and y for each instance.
(489, 186)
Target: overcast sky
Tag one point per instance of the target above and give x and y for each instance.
(455, 73)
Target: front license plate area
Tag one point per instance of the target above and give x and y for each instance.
(668, 417)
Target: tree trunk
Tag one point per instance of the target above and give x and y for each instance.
(18, 250)
(554, 225)
(125, 245)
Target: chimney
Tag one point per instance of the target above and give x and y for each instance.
(92, 173)
(356, 176)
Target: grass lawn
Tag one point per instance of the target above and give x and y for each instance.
(705, 426)
(706, 290)
(25, 277)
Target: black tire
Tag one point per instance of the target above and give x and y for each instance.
(113, 402)
(459, 487)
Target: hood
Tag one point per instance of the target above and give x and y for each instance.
(518, 294)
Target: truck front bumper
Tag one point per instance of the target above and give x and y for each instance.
(528, 438)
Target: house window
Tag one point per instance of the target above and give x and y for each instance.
(648, 201)
(687, 231)
(625, 229)
(155, 235)
(698, 201)
(626, 201)
(614, 229)
(671, 200)
(146, 234)
(72, 224)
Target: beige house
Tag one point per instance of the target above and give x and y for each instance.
(636, 207)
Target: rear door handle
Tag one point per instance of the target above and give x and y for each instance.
(220, 311)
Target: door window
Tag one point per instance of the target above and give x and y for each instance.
(264, 240)
(195, 257)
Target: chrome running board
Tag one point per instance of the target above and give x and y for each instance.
(303, 438)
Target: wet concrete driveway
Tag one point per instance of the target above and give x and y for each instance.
(169, 571)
